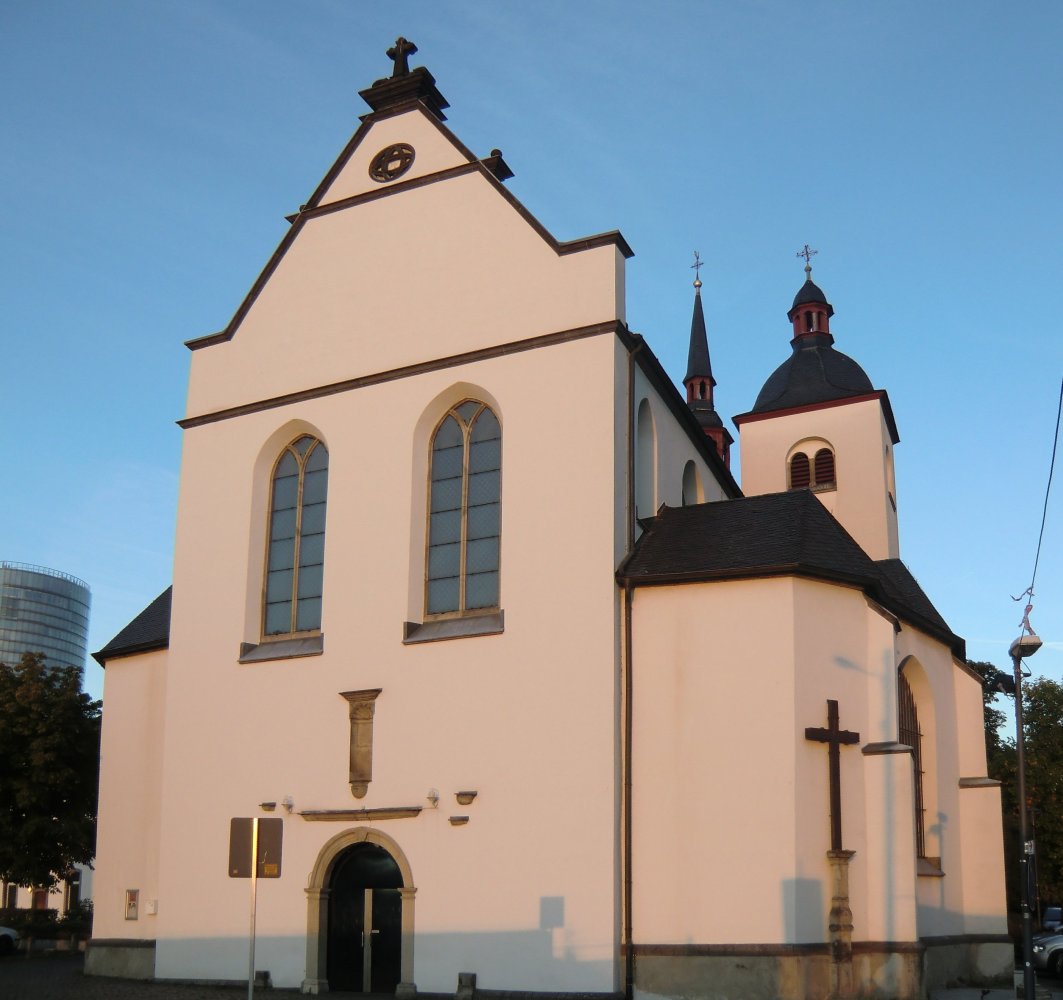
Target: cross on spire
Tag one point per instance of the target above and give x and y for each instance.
(696, 268)
(835, 737)
(808, 253)
(400, 54)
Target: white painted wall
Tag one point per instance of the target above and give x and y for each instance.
(128, 829)
(863, 458)
(731, 802)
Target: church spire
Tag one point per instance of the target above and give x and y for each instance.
(698, 379)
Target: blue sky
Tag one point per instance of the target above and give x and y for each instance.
(152, 149)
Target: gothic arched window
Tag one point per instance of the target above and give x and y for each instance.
(465, 511)
(296, 555)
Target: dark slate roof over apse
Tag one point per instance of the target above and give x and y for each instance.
(776, 534)
(149, 630)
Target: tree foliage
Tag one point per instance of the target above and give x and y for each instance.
(49, 772)
(1042, 707)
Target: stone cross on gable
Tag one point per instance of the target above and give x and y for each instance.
(835, 737)
(400, 54)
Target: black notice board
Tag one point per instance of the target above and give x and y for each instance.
(270, 839)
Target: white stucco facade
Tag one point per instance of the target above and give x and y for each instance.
(596, 767)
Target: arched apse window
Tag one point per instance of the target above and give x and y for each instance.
(800, 472)
(645, 463)
(295, 559)
(464, 512)
(911, 734)
(692, 492)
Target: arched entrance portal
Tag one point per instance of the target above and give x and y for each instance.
(361, 884)
(365, 921)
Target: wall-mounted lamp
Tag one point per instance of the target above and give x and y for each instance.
(267, 806)
(464, 798)
(288, 802)
(458, 820)
(433, 798)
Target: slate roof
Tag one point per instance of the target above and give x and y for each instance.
(698, 363)
(810, 292)
(149, 630)
(777, 534)
(814, 373)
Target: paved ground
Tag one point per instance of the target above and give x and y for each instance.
(60, 977)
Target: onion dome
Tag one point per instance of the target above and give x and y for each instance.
(815, 372)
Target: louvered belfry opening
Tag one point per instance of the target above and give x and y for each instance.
(825, 467)
(800, 472)
(911, 735)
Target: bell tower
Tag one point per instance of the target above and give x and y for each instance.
(819, 424)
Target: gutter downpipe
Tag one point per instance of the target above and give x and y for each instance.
(629, 595)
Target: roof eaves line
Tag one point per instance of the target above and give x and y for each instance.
(407, 371)
(750, 416)
(879, 394)
(130, 650)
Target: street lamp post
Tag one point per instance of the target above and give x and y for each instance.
(1025, 645)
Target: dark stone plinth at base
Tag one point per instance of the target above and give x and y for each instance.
(122, 958)
(881, 970)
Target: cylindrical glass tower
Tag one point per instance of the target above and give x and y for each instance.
(43, 611)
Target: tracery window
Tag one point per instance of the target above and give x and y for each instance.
(910, 734)
(464, 520)
(296, 553)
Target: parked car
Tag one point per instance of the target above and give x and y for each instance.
(8, 940)
(1052, 918)
(1048, 954)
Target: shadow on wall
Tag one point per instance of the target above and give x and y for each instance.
(804, 909)
(539, 960)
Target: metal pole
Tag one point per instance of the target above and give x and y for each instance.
(1026, 846)
(254, 901)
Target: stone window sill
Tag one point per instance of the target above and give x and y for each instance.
(453, 628)
(282, 649)
(929, 868)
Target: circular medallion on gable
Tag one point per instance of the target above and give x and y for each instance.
(391, 162)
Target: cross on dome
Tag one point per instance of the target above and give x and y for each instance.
(808, 253)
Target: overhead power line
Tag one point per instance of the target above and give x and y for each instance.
(1029, 591)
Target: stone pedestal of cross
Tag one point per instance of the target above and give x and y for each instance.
(840, 922)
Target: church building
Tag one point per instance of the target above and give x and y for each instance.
(527, 692)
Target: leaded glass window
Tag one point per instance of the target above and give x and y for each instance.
(911, 735)
(464, 519)
(296, 556)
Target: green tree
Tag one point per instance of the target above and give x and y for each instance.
(1042, 708)
(49, 772)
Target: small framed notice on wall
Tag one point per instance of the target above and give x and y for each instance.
(132, 904)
